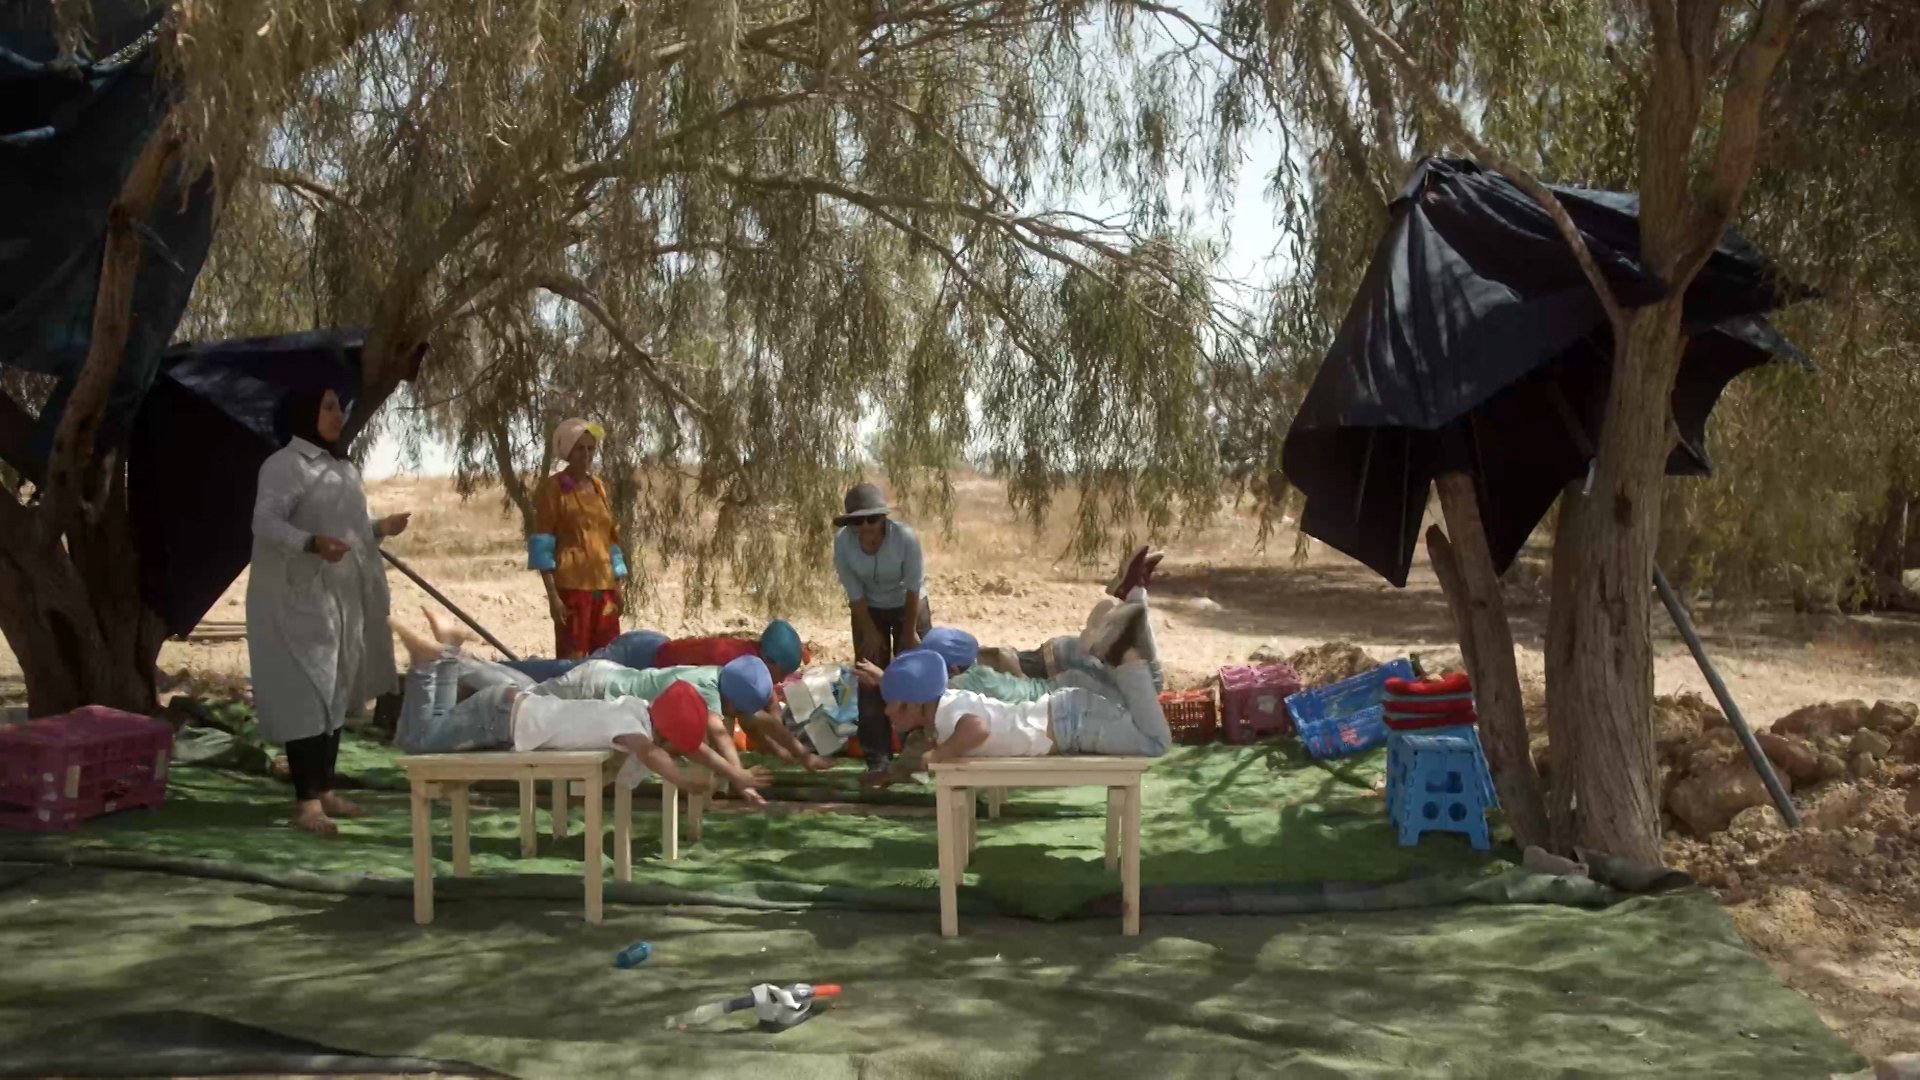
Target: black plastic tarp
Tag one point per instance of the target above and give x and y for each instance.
(71, 128)
(1475, 343)
(198, 443)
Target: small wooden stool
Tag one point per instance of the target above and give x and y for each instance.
(955, 783)
(452, 775)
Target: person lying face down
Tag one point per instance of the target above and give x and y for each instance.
(675, 720)
(1058, 656)
(1067, 721)
(740, 691)
(961, 652)
(778, 645)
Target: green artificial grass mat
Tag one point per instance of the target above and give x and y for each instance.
(1222, 817)
(1649, 987)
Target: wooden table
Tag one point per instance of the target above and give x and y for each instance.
(955, 784)
(451, 776)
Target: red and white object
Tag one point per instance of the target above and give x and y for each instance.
(58, 772)
(1253, 700)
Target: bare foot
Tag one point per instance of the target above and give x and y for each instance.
(419, 649)
(446, 629)
(310, 818)
(335, 806)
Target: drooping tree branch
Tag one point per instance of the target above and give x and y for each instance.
(568, 287)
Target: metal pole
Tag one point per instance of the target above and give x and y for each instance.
(448, 604)
(1781, 800)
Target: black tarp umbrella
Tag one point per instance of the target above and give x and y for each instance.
(198, 443)
(1475, 344)
(71, 128)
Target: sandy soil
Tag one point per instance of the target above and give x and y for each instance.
(1218, 598)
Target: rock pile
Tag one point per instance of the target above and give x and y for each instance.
(1707, 780)
(1854, 770)
(1328, 663)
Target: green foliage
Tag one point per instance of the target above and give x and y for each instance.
(1805, 463)
(738, 235)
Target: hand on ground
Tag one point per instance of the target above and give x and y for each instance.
(816, 763)
(752, 797)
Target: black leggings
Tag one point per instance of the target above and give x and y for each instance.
(310, 763)
(876, 734)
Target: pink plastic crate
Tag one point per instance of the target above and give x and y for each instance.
(1253, 700)
(59, 772)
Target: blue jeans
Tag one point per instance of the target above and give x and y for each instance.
(434, 721)
(1067, 656)
(1084, 722)
(633, 649)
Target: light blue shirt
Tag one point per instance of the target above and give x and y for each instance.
(884, 578)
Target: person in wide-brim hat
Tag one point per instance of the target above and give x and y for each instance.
(880, 565)
(863, 501)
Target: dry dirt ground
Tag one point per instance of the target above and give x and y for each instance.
(1855, 952)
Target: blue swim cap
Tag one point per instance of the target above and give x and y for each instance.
(957, 647)
(746, 685)
(916, 677)
(780, 645)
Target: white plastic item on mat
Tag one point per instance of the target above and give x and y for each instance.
(823, 702)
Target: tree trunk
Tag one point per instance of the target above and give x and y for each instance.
(1465, 568)
(1599, 635)
(1882, 551)
(73, 613)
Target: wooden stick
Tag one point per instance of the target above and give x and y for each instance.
(448, 604)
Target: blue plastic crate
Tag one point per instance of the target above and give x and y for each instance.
(1347, 717)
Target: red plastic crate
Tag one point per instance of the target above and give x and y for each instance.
(1253, 700)
(59, 772)
(1194, 715)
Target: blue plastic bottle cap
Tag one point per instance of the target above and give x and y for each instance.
(633, 955)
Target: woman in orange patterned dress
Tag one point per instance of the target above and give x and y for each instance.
(575, 548)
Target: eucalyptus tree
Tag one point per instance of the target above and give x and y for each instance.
(1685, 102)
(736, 231)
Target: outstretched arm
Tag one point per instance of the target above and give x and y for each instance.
(655, 757)
(785, 745)
(745, 781)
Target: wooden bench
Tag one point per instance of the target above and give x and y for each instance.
(955, 786)
(432, 776)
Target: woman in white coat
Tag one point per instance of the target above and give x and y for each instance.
(317, 634)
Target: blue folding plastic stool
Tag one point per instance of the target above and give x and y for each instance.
(1442, 785)
(1398, 759)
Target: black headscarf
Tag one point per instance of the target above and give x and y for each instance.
(299, 417)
